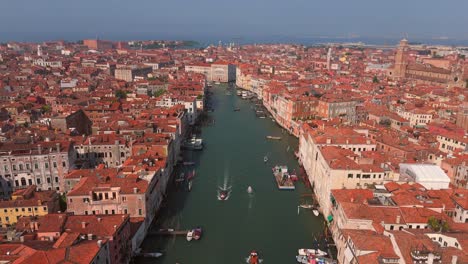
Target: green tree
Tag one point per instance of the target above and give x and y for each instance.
(200, 96)
(375, 79)
(46, 108)
(63, 202)
(438, 224)
(121, 94)
(159, 92)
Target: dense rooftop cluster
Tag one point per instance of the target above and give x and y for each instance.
(382, 131)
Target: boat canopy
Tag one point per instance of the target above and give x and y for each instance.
(330, 218)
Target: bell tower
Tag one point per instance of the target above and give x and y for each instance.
(400, 60)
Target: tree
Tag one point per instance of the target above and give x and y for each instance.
(159, 92)
(200, 96)
(121, 94)
(46, 108)
(437, 224)
(375, 79)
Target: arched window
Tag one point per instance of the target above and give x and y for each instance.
(23, 181)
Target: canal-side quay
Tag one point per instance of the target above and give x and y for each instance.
(267, 220)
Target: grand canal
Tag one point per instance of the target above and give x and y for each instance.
(267, 221)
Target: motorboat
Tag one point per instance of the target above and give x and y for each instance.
(237, 109)
(181, 177)
(265, 159)
(273, 137)
(189, 186)
(250, 189)
(309, 251)
(188, 163)
(193, 144)
(313, 259)
(223, 194)
(253, 258)
(306, 206)
(194, 234)
(148, 254)
(316, 212)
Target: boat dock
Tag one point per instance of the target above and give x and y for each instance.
(282, 178)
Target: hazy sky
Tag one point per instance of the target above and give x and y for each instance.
(198, 19)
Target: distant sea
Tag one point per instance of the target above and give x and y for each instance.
(237, 39)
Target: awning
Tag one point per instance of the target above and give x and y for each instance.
(330, 218)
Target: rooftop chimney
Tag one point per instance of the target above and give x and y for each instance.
(135, 190)
(115, 227)
(398, 219)
(83, 224)
(99, 219)
(99, 243)
(39, 149)
(328, 140)
(58, 147)
(454, 259)
(90, 236)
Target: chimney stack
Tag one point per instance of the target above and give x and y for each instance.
(398, 219)
(115, 227)
(135, 190)
(58, 147)
(99, 243)
(99, 219)
(90, 236)
(39, 149)
(454, 259)
(36, 226)
(83, 224)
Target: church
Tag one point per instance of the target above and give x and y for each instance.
(424, 72)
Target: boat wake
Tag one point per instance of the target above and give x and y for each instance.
(225, 188)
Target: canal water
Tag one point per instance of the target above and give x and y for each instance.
(267, 221)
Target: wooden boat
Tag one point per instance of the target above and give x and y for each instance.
(273, 137)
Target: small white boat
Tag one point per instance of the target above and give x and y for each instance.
(306, 206)
(189, 186)
(250, 189)
(311, 251)
(265, 159)
(316, 212)
(190, 235)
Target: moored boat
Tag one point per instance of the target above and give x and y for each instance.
(311, 251)
(273, 137)
(265, 159)
(193, 144)
(249, 189)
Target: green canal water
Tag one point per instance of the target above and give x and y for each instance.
(266, 221)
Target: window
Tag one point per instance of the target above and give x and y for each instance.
(29, 209)
(35, 208)
(23, 210)
(445, 244)
(28, 167)
(113, 211)
(54, 164)
(358, 175)
(124, 198)
(94, 212)
(391, 227)
(64, 164)
(45, 208)
(70, 200)
(440, 239)
(21, 167)
(48, 179)
(140, 212)
(106, 212)
(14, 167)
(350, 176)
(86, 212)
(30, 182)
(125, 211)
(46, 165)
(456, 244)
(36, 166)
(56, 179)
(38, 181)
